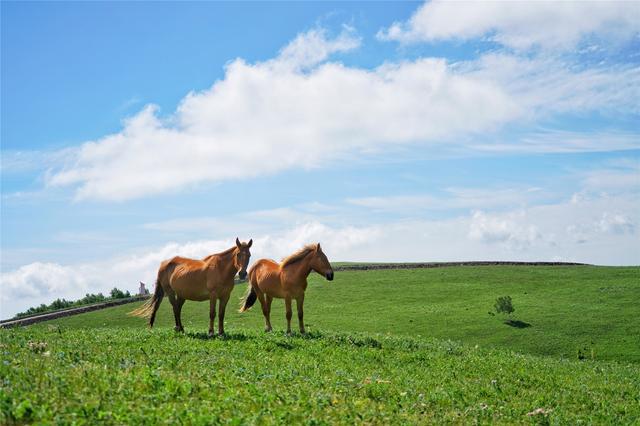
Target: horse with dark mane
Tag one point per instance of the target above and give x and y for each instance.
(287, 280)
(211, 278)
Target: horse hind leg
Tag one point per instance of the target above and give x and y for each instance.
(177, 307)
(156, 300)
(179, 303)
(265, 301)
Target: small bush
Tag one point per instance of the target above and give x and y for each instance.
(116, 293)
(585, 353)
(504, 305)
(91, 298)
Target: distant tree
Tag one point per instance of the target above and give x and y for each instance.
(33, 311)
(60, 304)
(504, 305)
(116, 293)
(90, 298)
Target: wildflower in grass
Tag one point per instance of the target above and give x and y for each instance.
(540, 411)
(37, 347)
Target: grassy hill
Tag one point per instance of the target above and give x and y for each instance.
(127, 376)
(386, 347)
(561, 310)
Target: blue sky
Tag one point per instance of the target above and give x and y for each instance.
(396, 131)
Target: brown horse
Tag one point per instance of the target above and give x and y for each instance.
(286, 281)
(209, 279)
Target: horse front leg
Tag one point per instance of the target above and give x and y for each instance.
(287, 304)
(299, 305)
(223, 305)
(212, 312)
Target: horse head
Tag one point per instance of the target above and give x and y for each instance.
(320, 263)
(241, 258)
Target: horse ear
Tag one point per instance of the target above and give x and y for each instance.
(250, 242)
(238, 242)
(318, 247)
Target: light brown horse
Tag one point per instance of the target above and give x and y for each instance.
(209, 279)
(287, 281)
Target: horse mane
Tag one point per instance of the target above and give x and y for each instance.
(223, 253)
(299, 255)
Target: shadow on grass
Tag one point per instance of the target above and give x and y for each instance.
(517, 323)
(309, 335)
(239, 337)
(285, 345)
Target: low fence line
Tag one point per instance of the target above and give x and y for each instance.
(67, 312)
(424, 265)
(358, 267)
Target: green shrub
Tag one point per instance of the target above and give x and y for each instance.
(504, 305)
(91, 298)
(116, 293)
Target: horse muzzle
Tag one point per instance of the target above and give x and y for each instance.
(329, 276)
(242, 275)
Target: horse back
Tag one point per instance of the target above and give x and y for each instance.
(265, 275)
(181, 274)
(167, 267)
(263, 265)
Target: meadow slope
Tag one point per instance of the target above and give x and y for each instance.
(385, 347)
(127, 376)
(562, 310)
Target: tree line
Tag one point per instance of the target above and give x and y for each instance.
(88, 299)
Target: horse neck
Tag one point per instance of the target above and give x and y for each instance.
(225, 263)
(300, 269)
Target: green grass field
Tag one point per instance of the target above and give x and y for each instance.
(386, 347)
(568, 308)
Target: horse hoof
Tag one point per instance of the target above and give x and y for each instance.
(179, 329)
(211, 335)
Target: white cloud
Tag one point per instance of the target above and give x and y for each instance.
(313, 47)
(37, 279)
(558, 141)
(264, 118)
(453, 198)
(616, 223)
(519, 25)
(544, 86)
(613, 180)
(618, 177)
(511, 229)
(16, 162)
(608, 223)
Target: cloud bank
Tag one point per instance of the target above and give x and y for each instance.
(590, 227)
(519, 25)
(301, 110)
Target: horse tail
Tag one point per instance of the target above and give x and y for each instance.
(251, 295)
(249, 299)
(150, 307)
